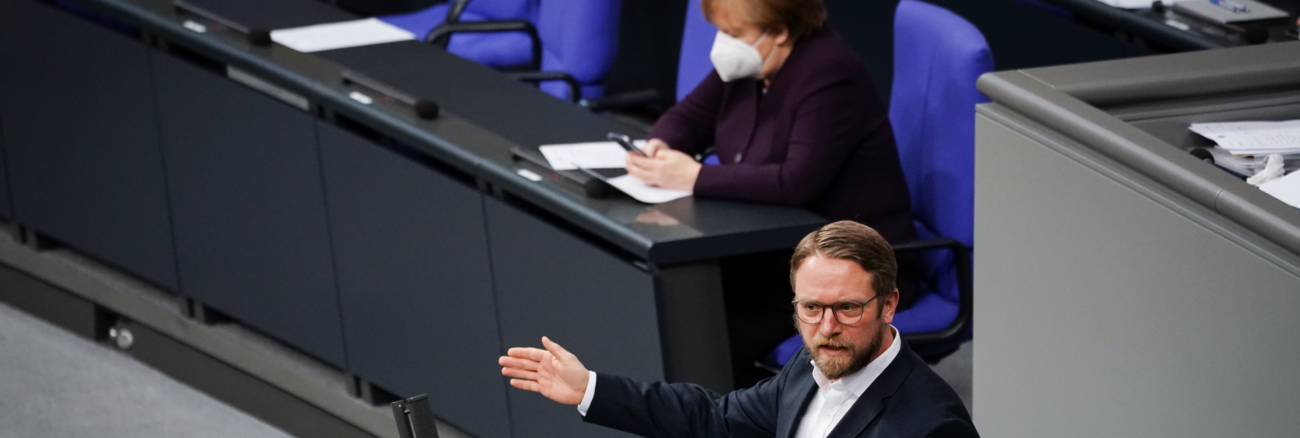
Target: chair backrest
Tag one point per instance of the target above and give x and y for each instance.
(937, 57)
(579, 37)
(693, 65)
(422, 21)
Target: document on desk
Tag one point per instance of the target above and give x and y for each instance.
(1135, 4)
(593, 155)
(1285, 189)
(340, 35)
(1253, 138)
(640, 191)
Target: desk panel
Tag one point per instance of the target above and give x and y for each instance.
(597, 305)
(82, 149)
(1110, 298)
(415, 283)
(249, 208)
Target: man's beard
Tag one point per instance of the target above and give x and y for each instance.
(835, 368)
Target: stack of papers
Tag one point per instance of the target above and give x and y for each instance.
(1243, 146)
(593, 155)
(1249, 164)
(342, 35)
(1253, 138)
(1135, 4)
(607, 155)
(640, 191)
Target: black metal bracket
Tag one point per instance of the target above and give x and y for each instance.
(441, 36)
(962, 261)
(535, 77)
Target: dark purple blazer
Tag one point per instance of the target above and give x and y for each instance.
(820, 138)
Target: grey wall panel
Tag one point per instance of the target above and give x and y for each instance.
(597, 306)
(83, 151)
(414, 281)
(1109, 310)
(248, 204)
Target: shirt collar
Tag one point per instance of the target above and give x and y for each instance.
(858, 382)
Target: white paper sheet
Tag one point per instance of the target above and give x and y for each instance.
(594, 155)
(1285, 189)
(1253, 138)
(1135, 4)
(340, 35)
(640, 191)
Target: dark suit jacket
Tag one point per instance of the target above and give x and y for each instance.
(907, 400)
(820, 138)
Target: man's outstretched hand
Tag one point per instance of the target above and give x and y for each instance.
(554, 372)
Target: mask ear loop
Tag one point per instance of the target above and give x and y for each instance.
(760, 41)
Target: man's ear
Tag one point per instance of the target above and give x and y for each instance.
(891, 304)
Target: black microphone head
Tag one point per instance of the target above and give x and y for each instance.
(1255, 35)
(259, 37)
(426, 109)
(1203, 155)
(1158, 7)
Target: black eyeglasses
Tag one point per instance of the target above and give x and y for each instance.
(846, 312)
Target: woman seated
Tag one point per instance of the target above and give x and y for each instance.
(794, 119)
(792, 115)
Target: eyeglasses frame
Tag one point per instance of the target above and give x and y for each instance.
(831, 306)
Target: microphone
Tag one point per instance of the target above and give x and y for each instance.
(426, 109)
(259, 37)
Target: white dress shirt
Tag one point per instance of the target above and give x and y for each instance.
(834, 399)
(828, 407)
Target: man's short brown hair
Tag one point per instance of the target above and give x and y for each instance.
(854, 242)
(800, 17)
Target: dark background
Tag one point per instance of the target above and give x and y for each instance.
(1021, 34)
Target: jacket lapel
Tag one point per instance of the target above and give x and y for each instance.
(795, 397)
(872, 402)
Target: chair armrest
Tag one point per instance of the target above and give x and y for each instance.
(441, 36)
(962, 261)
(648, 100)
(455, 10)
(534, 77)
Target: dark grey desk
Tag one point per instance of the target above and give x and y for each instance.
(407, 252)
(1152, 28)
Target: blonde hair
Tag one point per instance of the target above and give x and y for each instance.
(854, 242)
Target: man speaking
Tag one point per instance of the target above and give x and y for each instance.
(854, 378)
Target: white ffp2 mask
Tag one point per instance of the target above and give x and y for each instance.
(736, 59)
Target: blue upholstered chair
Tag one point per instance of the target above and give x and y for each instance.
(937, 57)
(495, 49)
(692, 67)
(693, 64)
(566, 45)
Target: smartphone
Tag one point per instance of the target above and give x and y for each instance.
(625, 142)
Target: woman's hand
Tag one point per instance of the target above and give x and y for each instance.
(664, 167)
(653, 146)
